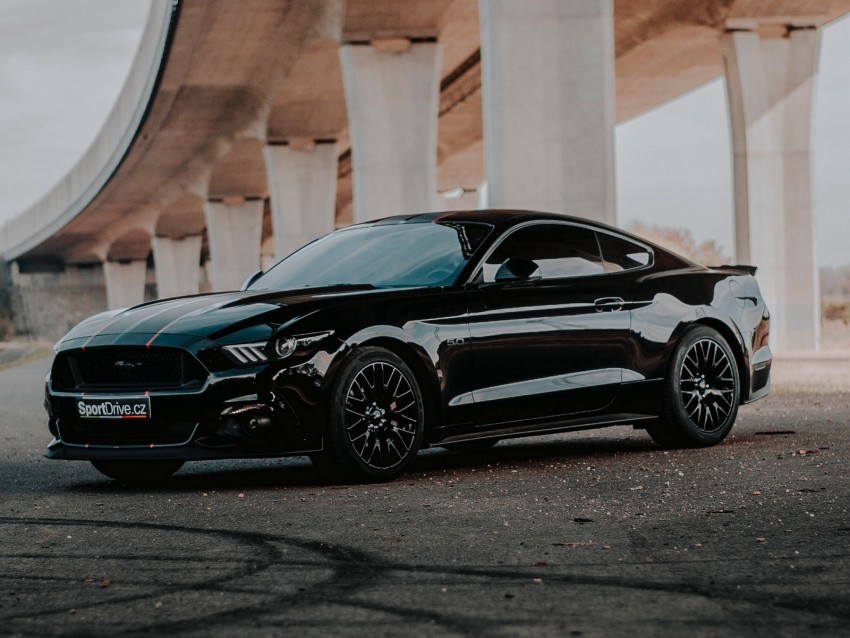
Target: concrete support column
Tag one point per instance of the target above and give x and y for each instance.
(234, 233)
(392, 92)
(547, 73)
(302, 186)
(177, 263)
(14, 272)
(769, 86)
(802, 280)
(467, 199)
(267, 256)
(125, 283)
(483, 195)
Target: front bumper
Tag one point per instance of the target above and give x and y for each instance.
(257, 412)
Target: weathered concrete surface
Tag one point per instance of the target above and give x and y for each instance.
(548, 98)
(234, 230)
(177, 263)
(236, 76)
(393, 104)
(125, 283)
(49, 304)
(222, 94)
(224, 64)
(588, 534)
(769, 85)
(302, 189)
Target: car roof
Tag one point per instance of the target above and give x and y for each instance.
(499, 217)
(504, 218)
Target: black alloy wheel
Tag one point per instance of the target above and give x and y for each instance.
(707, 385)
(377, 417)
(702, 392)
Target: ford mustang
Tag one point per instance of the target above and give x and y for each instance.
(380, 339)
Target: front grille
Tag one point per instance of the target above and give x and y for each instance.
(126, 368)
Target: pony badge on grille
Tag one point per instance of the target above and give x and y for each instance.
(125, 368)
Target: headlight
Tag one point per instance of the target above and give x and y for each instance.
(285, 346)
(282, 347)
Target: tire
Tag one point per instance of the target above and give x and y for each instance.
(138, 472)
(376, 418)
(702, 391)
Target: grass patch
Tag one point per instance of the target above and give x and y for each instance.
(27, 355)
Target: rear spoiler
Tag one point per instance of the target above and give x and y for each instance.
(744, 270)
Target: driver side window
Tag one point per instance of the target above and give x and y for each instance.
(560, 250)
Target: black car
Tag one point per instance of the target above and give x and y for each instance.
(382, 338)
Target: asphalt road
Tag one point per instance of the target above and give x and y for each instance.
(589, 534)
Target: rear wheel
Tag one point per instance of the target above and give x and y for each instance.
(701, 392)
(377, 417)
(137, 472)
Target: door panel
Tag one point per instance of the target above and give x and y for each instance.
(544, 350)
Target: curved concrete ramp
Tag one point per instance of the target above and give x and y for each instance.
(70, 196)
(202, 80)
(248, 127)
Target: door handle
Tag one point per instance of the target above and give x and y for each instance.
(608, 304)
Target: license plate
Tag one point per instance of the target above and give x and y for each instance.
(114, 408)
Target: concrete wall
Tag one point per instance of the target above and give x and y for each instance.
(6, 328)
(46, 305)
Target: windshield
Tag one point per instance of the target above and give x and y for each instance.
(383, 255)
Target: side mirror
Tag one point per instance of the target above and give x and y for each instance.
(517, 269)
(251, 279)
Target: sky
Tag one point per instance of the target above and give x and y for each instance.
(58, 84)
(62, 66)
(674, 163)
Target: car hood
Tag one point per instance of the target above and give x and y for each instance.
(212, 316)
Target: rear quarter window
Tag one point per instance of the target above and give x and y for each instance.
(619, 254)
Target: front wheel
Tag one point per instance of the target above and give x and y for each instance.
(701, 392)
(137, 472)
(377, 417)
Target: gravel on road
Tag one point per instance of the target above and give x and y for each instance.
(593, 533)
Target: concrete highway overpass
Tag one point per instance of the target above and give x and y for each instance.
(247, 127)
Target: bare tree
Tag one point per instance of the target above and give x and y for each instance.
(680, 241)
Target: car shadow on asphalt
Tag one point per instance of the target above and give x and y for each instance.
(297, 472)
